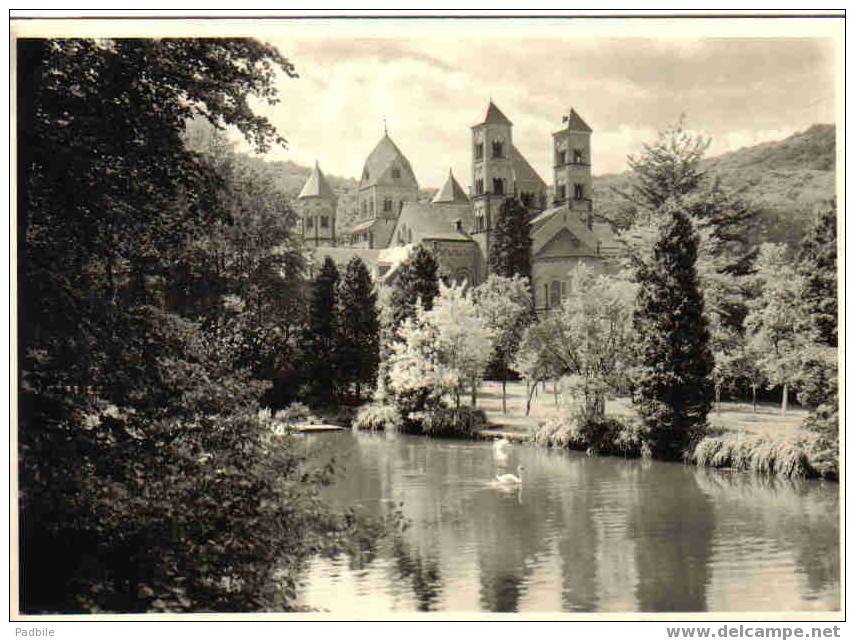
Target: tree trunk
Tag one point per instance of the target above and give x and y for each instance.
(474, 392)
(754, 398)
(784, 395)
(718, 399)
(528, 402)
(504, 392)
(555, 392)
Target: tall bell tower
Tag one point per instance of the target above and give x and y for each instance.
(492, 173)
(572, 164)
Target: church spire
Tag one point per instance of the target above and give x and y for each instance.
(451, 192)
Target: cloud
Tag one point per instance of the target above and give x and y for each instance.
(431, 85)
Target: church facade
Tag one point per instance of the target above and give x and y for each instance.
(458, 226)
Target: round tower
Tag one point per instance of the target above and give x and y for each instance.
(572, 154)
(316, 206)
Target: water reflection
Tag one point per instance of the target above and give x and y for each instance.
(582, 534)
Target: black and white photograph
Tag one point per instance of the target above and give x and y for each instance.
(428, 317)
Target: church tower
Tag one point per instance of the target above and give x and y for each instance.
(572, 154)
(492, 173)
(316, 207)
(387, 182)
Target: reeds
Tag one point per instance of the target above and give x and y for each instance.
(789, 457)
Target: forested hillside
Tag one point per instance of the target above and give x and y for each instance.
(785, 179)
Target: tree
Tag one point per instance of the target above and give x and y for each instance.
(505, 305)
(146, 480)
(588, 338)
(673, 389)
(771, 324)
(510, 243)
(416, 283)
(250, 260)
(668, 168)
(439, 352)
(358, 327)
(321, 356)
(817, 268)
(818, 358)
(417, 280)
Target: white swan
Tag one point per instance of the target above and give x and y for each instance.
(511, 479)
(500, 444)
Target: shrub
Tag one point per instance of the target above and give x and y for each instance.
(757, 453)
(448, 422)
(621, 436)
(377, 417)
(296, 412)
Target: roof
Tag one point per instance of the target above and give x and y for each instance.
(523, 171)
(574, 122)
(494, 116)
(451, 192)
(548, 223)
(317, 186)
(344, 254)
(433, 221)
(379, 163)
(381, 229)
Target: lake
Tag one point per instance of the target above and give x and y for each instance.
(582, 534)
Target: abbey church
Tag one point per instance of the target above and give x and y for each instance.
(456, 225)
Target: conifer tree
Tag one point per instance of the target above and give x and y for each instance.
(358, 327)
(417, 279)
(510, 245)
(320, 344)
(674, 386)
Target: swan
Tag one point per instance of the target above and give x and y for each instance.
(500, 444)
(511, 479)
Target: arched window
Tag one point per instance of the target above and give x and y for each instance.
(409, 235)
(479, 150)
(325, 222)
(498, 149)
(479, 186)
(387, 203)
(555, 293)
(309, 223)
(578, 191)
(498, 185)
(577, 156)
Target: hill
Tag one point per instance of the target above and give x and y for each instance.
(785, 180)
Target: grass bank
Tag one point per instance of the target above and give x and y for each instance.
(761, 441)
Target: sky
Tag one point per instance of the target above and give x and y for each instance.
(431, 86)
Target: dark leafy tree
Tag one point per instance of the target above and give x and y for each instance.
(320, 343)
(674, 386)
(147, 481)
(358, 328)
(818, 375)
(817, 267)
(510, 243)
